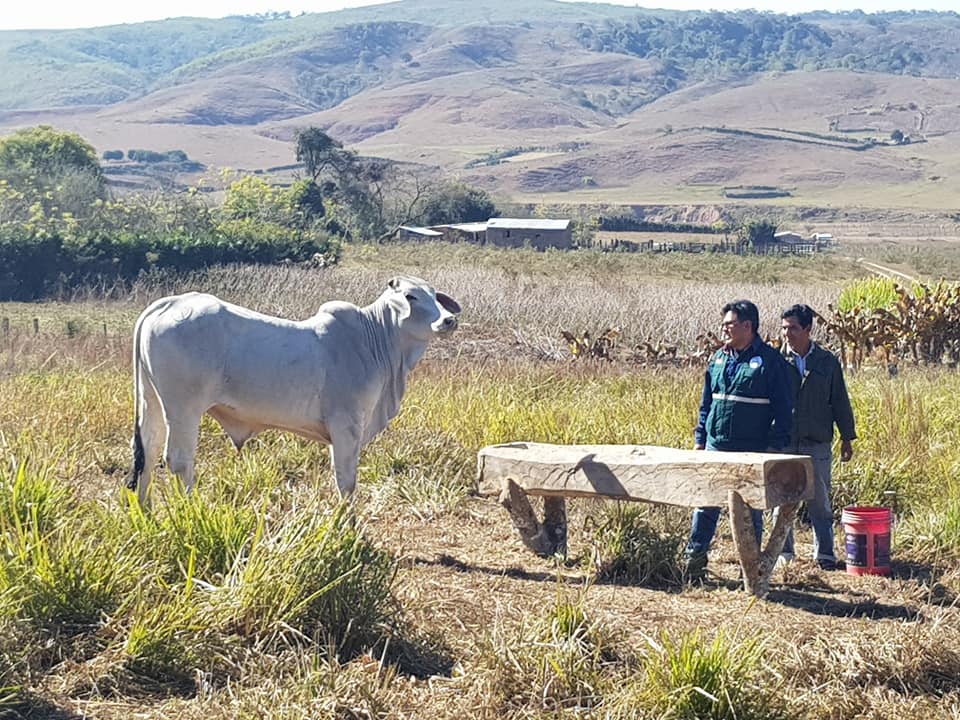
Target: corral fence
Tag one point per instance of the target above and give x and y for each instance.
(733, 247)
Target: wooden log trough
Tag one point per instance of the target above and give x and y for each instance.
(648, 473)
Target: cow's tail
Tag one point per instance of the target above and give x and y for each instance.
(139, 456)
(139, 459)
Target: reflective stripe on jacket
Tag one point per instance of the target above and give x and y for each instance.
(747, 400)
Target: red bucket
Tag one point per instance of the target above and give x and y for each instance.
(867, 531)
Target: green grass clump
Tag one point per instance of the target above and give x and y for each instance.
(54, 571)
(628, 546)
(311, 579)
(163, 640)
(905, 444)
(319, 577)
(209, 535)
(65, 582)
(564, 660)
(30, 496)
(935, 533)
(692, 679)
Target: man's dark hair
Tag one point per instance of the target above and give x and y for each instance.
(802, 313)
(744, 310)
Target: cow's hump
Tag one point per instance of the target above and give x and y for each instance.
(338, 307)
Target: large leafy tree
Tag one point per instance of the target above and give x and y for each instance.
(456, 202)
(322, 155)
(758, 232)
(46, 151)
(50, 171)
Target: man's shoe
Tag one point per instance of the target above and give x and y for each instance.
(827, 564)
(695, 568)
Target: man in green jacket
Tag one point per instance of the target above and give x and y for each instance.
(745, 406)
(820, 402)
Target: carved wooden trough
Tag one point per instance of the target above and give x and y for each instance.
(648, 473)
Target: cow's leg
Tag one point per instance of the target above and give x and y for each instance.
(183, 429)
(151, 435)
(344, 456)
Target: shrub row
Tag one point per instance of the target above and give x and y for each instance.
(631, 223)
(34, 265)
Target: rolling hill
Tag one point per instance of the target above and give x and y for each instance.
(535, 100)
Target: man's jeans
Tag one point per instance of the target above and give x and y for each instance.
(819, 508)
(704, 525)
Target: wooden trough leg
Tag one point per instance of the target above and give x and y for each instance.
(757, 566)
(745, 541)
(768, 558)
(545, 539)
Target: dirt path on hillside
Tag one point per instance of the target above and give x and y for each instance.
(886, 271)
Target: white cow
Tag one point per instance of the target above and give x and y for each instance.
(337, 377)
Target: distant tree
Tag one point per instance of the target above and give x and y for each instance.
(456, 202)
(46, 151)
(897, 136)
(113, 154)
(319, 153)
(759, 233)
(56, 172)
(306, 196)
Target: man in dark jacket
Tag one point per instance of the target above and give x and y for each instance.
(746, 406)
(821, 402)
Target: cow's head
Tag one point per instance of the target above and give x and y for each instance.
(422, 310)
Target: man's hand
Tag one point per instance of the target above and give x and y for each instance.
(846, 450)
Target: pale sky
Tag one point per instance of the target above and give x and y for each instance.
(28, 14)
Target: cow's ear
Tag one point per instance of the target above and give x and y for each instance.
(448, 303)
(393, 283)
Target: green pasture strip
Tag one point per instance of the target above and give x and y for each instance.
(78, 425)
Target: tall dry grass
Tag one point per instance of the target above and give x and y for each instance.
(516, 302)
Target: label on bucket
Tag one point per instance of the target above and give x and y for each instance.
(881, 550)
(856, 544)
(857, 549)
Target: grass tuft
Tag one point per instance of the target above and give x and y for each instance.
(320, 578)
(564, 660)
(211, 536)
(628, 546)
(693, 679)
(935, 533)
(31, 496)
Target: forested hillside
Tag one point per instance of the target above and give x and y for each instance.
(328, 57)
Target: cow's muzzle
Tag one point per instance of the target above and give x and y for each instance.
(448, 324)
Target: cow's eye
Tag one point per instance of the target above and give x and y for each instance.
(410, 298)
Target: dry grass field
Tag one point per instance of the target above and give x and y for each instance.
(473, 625)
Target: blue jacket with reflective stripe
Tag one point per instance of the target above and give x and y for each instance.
(747, 400)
